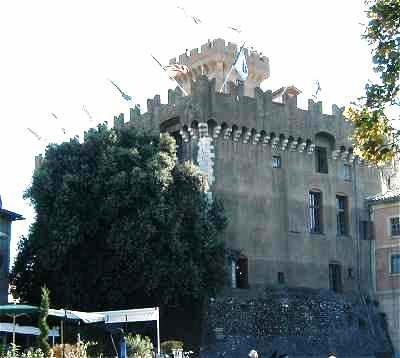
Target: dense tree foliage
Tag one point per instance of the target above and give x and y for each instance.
(377, 135)
(119, 224)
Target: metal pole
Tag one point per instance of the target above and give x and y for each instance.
(62, 337)
(13, 337)
(233, 64)
(158, 333)
(173, 79)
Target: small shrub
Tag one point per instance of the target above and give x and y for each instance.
(168, 346)
(138, 346)
(73, 350)
(37, 353)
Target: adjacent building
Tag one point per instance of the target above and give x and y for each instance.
(385, 213)
(6, 219)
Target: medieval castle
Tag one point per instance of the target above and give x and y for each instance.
(295, 195)
(290, 183)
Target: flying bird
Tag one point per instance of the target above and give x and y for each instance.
(37, 136)
(62, 129)
(318, 89)
(87, 112)
(123, 94)
(194, 18)
(236, 29)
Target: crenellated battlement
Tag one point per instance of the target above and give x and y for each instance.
(252, 121)
(214, 59)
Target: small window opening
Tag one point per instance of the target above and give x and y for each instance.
(341, 215)
(335, 277)
(276, 161)
(350, 272)
(321, 160)
(395, 226)
(281, 278)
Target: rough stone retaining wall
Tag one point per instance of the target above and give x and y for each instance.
(298, 321)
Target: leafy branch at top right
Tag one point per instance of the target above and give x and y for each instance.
(375, 134)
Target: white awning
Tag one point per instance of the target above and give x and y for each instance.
(9, 327)
(87, 317)
(133, 315)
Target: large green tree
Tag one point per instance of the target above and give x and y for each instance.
(119, 224)
(377, 133)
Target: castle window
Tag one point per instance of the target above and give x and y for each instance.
(321, 160)
(281, 278)
(276, 161)
(350, 272)
(335, 277)
(341, 215)
(395, 264)
(179, 146)
(347, 172)
(395, 226)
(315, 212)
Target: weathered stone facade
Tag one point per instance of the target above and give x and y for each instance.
(264, 168)
(299, 322)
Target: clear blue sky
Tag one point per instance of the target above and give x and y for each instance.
(57, 56)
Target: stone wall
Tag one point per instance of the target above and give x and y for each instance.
(297, 321)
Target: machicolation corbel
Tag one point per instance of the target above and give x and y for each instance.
(311, 148)
(284, 144)
(275, 142)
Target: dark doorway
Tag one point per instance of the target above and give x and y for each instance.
(335, 277)
(179, 146)
(242, 272)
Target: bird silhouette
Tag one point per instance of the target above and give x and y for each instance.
(194, 18)
(37, 136)
(84, 108)
(236, 29)
(317, 90)
(123, 94)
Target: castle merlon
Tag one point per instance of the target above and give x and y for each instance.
(214, 60)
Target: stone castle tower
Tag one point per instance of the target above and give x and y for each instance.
(214, 60)
(291, 185)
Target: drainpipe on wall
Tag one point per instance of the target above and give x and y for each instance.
(373, 259)
(357, 223)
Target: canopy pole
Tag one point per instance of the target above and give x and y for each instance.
(62, 337)
(13, 337)
(158, 335)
